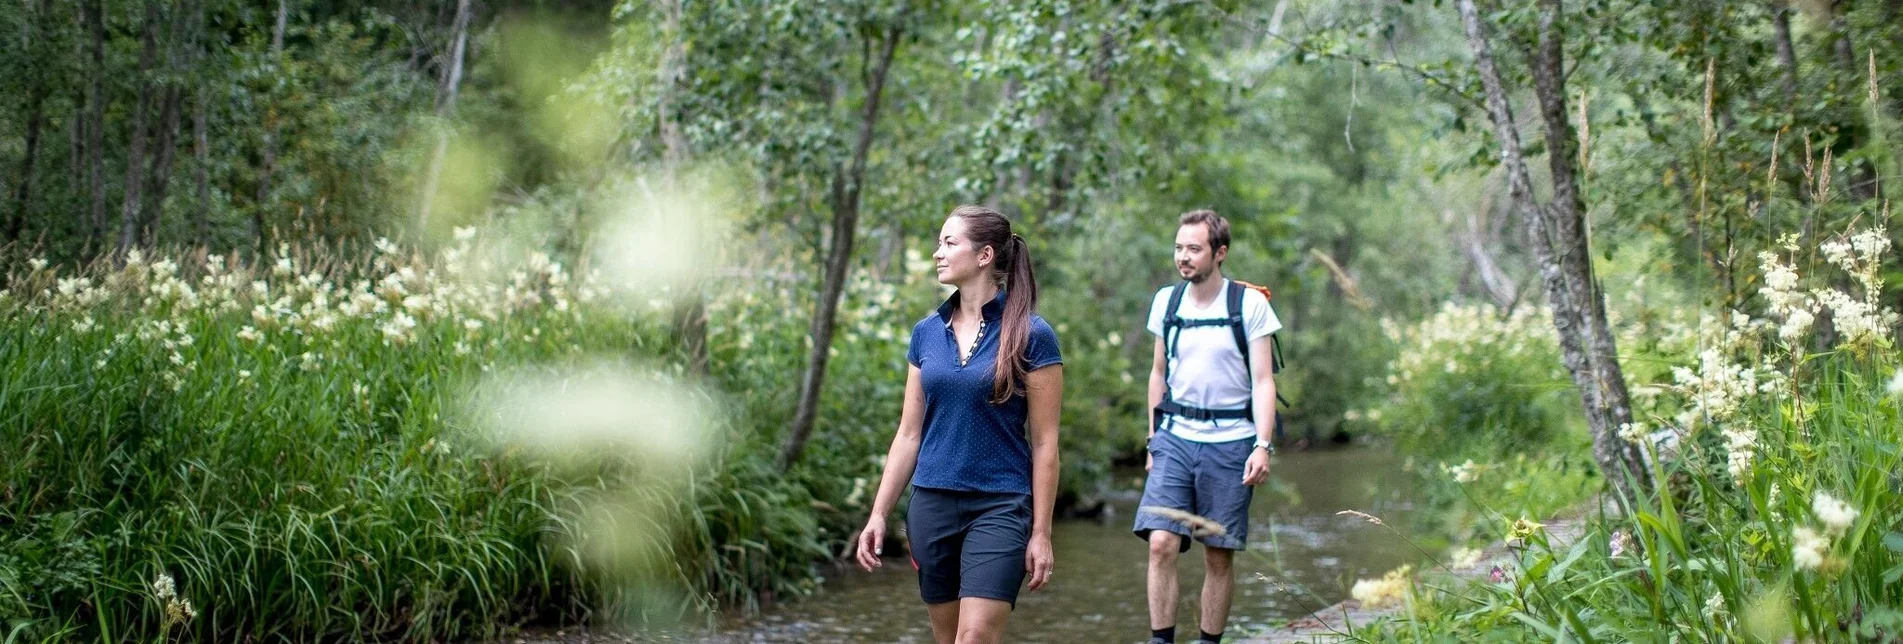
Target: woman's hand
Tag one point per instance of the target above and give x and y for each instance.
(1038, 560)
(872, 543)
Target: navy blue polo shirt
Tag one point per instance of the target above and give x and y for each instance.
(969, 443)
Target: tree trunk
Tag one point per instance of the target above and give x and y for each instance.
(35, 122)
(261, 204)
(135, 152)
(1786, 55)
(35, 118)
(201, 172)
(848, 185)
(96, 126)
(690, 314)
(201, 143)
(166, 147)
(445, 107)
(1476, 241)
(1557, 234)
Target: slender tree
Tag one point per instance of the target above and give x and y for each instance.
(445, 107)
(136, 151)
(1557, 232)
(35, 117)
(848, 183)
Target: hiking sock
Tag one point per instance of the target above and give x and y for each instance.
(1212, 639)
(1167, 634)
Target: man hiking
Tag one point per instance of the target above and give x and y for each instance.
(1212, 400)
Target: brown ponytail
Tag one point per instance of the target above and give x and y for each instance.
(1014, 272)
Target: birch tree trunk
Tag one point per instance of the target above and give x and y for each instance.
(445, 108)
(1557, 233)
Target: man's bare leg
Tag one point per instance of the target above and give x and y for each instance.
(1219, 586)
(1164, 547)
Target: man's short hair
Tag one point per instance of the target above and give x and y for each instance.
(1218, 227)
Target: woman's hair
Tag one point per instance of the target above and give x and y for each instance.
(1012, 270)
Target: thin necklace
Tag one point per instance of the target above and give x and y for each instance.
(966, 359)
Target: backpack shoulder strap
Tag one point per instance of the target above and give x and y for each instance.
(1235, 323)
(1176, 302)
(1172, 323)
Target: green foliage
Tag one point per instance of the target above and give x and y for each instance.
(291, 446)
(1470, 381)
(1804, 545)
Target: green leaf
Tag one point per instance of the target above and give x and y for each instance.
(1893, 541)
(1559, 571)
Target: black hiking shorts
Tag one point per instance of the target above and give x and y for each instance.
(968, 544)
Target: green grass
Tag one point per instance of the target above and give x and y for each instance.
(322, 480)
(1778, 512)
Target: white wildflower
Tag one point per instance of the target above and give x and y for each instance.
(1715, 606)
(1835, 515)
(397, 330)
(1633, 433)
(1797, 322)
(1740, 451)
(464, 233)
(179, 612)
(163, 589)
(1896, 384)
(1807, 548)
(1466, 472)
(1462, 558)
(1390, 588)
(36, 264)
(84, 325)
(250, 334)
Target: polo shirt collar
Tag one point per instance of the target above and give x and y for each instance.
(992, 311)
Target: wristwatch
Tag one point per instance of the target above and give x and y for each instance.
(1262, 444)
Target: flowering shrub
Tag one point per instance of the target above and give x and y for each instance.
(1472, 380)
(1776, 452)
(286, 448)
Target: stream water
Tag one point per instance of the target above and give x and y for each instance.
(1301, 557)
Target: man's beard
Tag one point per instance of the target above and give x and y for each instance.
(1198, 277)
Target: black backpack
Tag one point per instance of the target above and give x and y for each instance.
(1173, 326)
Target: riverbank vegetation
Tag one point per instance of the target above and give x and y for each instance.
(685, 241)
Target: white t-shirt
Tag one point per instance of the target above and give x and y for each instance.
(1207, 371)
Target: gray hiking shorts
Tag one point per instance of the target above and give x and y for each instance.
(1204, 479)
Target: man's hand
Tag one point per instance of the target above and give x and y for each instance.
(872, 543)
(1257, 469)
(1038, 560)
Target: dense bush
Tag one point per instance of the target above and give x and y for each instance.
(1776, 455)
(234, 452)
